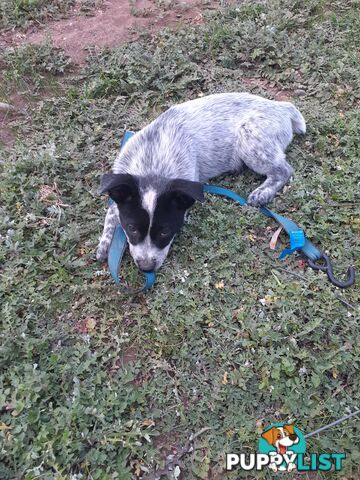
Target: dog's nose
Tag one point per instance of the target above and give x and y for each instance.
(293, 436)
(146, 264)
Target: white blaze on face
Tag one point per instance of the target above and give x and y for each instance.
(146, 250)
(149, 203)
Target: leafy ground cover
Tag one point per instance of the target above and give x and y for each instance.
(24, 13)
(95, 385)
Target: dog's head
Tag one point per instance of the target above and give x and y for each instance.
(281, 437)
(150, 216)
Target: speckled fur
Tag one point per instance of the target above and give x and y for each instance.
(206, 137)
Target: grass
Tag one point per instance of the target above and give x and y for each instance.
(24, 13)
(95, 385)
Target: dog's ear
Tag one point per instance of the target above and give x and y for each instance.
(122, 187)
(289, 428)
(183, 193)
(269, 435)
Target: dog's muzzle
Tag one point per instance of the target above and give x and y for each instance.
(146, 264)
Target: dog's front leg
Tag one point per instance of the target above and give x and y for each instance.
(111, 222)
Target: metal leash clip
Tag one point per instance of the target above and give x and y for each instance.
(328, 269)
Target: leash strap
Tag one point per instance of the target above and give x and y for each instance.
(116, 252)
(332, 424)
(298, 241)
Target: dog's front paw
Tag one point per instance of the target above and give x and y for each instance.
(260, 197)
(101, 253)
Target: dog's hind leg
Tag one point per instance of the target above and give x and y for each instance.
(111, 222)
(264, 154)
(278, 172)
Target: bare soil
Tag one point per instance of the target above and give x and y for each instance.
(117, 21)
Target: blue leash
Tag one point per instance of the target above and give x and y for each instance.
(298, 241)
(116, 252)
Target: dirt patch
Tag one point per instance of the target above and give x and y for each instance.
(117, 21)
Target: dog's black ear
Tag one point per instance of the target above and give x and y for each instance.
(185, 192)
(122, 187)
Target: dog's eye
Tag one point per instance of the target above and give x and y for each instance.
(132, 228)
(278, 435)
(164, 233)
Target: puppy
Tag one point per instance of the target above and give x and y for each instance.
(160, 171)
(281, 438)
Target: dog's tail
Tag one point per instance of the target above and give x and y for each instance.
(297, 120)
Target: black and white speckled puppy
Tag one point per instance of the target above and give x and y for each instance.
(159, 172)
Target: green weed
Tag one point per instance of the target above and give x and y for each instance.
(24, 13)
(96, 385)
